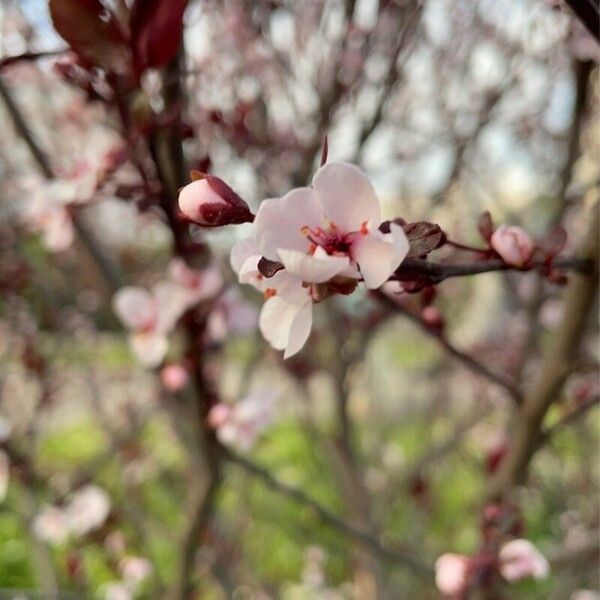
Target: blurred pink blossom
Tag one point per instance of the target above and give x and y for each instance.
(240, 424)
(197, 284)
(174, 377)
(231, 315)
(513, 244)
(135, 569)
(88, 510)
(451, 573)
(51, 525)
(520, 559)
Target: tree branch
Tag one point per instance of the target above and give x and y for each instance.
(328, 517)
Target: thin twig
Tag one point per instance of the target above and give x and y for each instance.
(474, 365)
(570, 418)
(326, 515)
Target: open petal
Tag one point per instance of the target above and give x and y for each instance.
(375, 257)
(284, 325)
(347, 196)
(400, 243)
(135, 307)
(279, 222)
(172, 300)
(243, 250)
(149, 347)
(299, 330)
(315, 268)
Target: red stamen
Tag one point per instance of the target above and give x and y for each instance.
(363, 228)
(269, 293)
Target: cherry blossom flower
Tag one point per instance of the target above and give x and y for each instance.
(231, 315)
(197, 284)
(51, 525)
(520, 559)
(134, 570)
(513, 244)
(331, 229)
(88, 510)
(210, 202)
(174, 377)
(451, 573)
(286, 317)
(240, 424)
(150, 316)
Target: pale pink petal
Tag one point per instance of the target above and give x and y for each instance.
(347, 196)
(279, 222)
(172, 301)
(285, 326)
(288, 286)
(58, 231)
(299, 330)
(249, 273)
(149, 347)
(513, 244)
(451, 573)
(377, 257)
(315, 268)
(135, 307)
(243, 250)
(520, 559)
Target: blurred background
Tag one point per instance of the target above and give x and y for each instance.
(452, 108)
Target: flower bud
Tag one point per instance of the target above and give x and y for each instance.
(174, 377)
(513, 244)
(520, 559)
(210, 202)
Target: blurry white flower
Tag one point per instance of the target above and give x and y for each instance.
(231, 315)
(117, 591)
(451, 573)
(134, 569)
(520, 559)
(51, 525)
(197, 284)
(240, 424)
(88, 510)
(174, 377)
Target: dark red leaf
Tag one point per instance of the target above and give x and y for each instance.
(156, 32)
(87, 27)
(485, 225)
(423, 237)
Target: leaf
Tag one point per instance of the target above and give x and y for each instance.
(268, 268)
(423, 237)
(84, 25)
(156, 32)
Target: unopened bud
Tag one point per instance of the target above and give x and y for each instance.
(208, 201)
(513, 244)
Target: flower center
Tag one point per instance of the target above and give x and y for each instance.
(333, 241)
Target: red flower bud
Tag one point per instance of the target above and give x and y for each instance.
(210, 202)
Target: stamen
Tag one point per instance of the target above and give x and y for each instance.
(363, 228)
(312, 249)
(305, 230)
(269, 293)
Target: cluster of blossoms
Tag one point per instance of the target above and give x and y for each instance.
(151, 315)
(134, 571)
(518, 559)
(241, 424)
(87, 511)
(50, 209)
(311, 243)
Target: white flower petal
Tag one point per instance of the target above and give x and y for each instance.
(377, 257)
(285, 326)
(243, 250)
(313, 269)
(135, 307)
(347, 196)
(149, 347)
(279, 222)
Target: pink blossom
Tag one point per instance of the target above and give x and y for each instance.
(231, 314)
(134, 569)
(331, 229)
(51, 525)
(285, 320)
(240, 424)
(451, 573)
(520, 559)
(513, 244)
(88, 510)
(210, 202)
(174, 377)
(150, 316)
(197, 284)
(117, 591)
